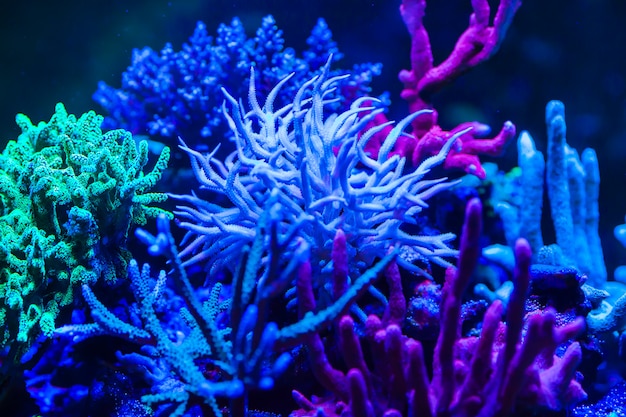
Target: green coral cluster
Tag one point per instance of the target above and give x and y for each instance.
(69, 194)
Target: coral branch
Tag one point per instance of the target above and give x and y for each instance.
(492, 375)
(477, 44)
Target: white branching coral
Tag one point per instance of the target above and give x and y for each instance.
(312, 172)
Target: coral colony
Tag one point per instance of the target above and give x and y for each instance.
(306, 274)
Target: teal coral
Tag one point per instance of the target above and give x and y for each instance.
(69, 194)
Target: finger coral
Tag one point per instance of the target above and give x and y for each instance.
(510, 366)
(476, 44)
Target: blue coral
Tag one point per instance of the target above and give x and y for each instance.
(177, 93)
(572, 183)
(185, 349)
(316, 169)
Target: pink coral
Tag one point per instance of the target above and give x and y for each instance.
(475, 45)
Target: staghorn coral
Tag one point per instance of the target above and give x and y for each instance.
(191, 356)
(68, 197)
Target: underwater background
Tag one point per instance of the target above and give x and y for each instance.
(55, 52)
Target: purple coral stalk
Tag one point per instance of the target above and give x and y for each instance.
(506, 367)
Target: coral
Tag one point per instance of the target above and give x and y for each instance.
(318, 246)
(288, 154)
(69, 380)
(508, 366)
(572, 184)
(612, 405)
(620, 234)
(68, 197)
(477, 44)
(423, 316)
(607, 322)
(561, 288)
(569, 275)
(198, 359)
(610, 315)
(175, 94)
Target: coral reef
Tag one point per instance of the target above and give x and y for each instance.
(490, 375)
(331, 262)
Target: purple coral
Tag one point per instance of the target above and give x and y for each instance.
(507, 366)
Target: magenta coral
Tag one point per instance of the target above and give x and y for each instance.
(477, 44)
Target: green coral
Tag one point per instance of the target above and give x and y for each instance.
(69, 194)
